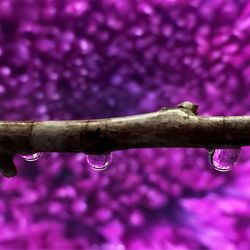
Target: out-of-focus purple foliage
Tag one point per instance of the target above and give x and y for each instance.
(78, 59)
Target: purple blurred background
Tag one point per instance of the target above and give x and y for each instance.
(83, 59)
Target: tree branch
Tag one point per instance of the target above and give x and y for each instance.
(175, 127)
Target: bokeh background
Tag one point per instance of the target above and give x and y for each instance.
(83, 59)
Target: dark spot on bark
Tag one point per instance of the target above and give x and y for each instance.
(95, 141)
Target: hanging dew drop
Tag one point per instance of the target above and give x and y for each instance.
(224, 160)
(32, 157)
(99, 162)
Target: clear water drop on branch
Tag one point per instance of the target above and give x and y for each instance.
(99, 162)
(32, 157)
(224, 159)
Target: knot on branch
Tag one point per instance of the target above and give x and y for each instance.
(189, 107)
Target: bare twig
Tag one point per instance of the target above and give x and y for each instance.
(176, 127)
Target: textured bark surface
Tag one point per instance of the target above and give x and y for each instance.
(177, 127)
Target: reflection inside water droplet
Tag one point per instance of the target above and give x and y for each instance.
(32, 157)
(99, 162)
(224, 160)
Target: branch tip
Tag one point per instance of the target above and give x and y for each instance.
(7, 166)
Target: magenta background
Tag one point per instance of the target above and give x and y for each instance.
(104, 58)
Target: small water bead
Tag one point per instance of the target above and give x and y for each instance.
(32, 157)
(99, 162)
(224, 160)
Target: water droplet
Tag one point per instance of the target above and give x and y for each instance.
(99, 162)
(224, 160)
(32, 157)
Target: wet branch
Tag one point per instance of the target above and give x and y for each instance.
(174, 127)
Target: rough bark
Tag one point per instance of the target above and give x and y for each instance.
(174, 127)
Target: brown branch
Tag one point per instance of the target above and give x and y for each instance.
(176, 127)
